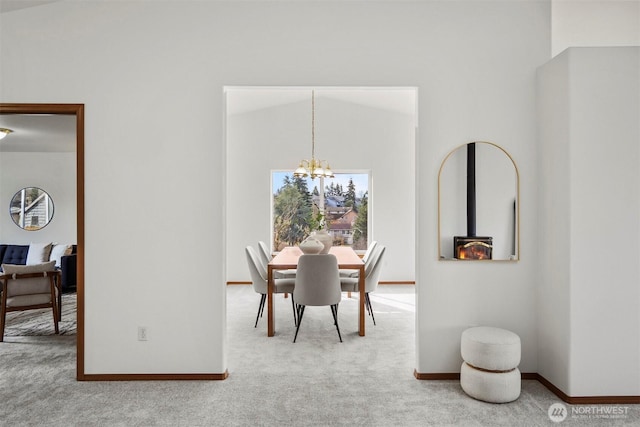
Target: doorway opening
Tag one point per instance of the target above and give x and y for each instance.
(76, 110)
(370, 129)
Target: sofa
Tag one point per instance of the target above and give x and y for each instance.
(35, 253)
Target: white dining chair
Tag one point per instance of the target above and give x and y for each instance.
(265, 256)
(259, 281)
(317, 284)
(349, 272)
(371, 279)
(263, 251)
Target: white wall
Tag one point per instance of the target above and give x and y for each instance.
(590, 305)
(151, 76)
(553, 293)
(594, 23)
(53, 172)
(350, 136)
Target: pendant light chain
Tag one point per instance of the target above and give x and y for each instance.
(313, 124)
(314, 168)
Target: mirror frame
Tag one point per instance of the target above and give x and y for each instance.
(517, 225)
(24, 226)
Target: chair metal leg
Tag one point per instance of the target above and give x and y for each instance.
(263, 302)
(295, 318)
(334, 311)
(300, 314)
(370, 308)
(263, 298)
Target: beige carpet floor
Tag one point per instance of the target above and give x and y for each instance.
(317, 381)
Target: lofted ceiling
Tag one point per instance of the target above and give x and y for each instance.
(245, 99)
(38, 133)
(11, 5)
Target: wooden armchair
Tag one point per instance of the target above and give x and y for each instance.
(29, 287)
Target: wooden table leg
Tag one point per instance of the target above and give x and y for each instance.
(271, 326)
(362, 298)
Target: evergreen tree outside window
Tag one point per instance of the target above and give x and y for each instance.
(295, 207)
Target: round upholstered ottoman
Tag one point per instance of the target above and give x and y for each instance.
(490, 368)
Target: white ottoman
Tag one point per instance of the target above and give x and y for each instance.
(490, 368)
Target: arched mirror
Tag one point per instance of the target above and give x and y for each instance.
(31, 208)
(478, 204)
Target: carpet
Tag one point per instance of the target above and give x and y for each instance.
(40, 322)
(317, 381)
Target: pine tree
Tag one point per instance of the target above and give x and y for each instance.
(292, 212)
(350, 197)
(360, 234)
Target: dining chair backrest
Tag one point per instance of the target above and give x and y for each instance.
(257, 270)
(372, 260)
(371, 279)
(370, 249)
(264, 252)
(317, 280)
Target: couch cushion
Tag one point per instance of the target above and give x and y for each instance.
(16, 254)
(38, 253)
(58, 251)
(3, 249)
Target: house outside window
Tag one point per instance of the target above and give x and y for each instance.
(302, 205)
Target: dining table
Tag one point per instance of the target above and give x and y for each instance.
(288, 257)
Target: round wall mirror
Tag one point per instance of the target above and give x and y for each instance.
(478, 204)
(31, 208)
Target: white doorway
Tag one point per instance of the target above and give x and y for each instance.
(356, 128)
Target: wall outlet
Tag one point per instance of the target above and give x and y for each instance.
(142, 333)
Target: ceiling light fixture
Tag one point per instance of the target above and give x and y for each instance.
(4, 132)
(313, 168)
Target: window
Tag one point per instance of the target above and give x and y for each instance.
(301, 205)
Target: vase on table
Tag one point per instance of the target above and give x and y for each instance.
(325, 238)
(311, 246)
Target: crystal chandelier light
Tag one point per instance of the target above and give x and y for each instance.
(313, 168)
(4, 132)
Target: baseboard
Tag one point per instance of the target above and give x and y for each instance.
(572, 400)
(398, 282)
(437, 376)
(154, 377)
(587, 400)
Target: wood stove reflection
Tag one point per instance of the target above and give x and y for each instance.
(472, 247)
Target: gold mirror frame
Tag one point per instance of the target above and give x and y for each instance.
(516, 256)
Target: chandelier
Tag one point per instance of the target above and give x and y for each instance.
(4, 132)
(313, 168)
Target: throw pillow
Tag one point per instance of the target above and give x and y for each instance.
(24, 269)
(38, 253)
(58, 251)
